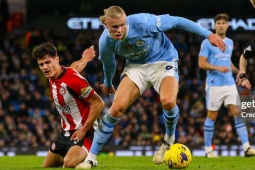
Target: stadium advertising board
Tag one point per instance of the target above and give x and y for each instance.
(93, 23)
(222, 150)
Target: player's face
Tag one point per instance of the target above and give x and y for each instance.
(221, 27)
(116, 27)
(49, 66)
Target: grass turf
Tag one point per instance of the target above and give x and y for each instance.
(133, 163)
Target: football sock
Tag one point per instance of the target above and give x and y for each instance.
(169, 139)
(208, 134)
(90, 157)
(242, 132)
(170, 118)
(103, 132)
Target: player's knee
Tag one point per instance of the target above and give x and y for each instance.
(169, 103)
(116, 110)
(45, 165)
(212, 116)
(69, 163)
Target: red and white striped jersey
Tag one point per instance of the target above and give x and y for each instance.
(70, 93)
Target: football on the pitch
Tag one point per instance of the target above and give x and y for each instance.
(178, 156)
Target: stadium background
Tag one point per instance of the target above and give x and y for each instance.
(28, 119)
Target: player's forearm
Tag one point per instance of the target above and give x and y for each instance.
(191, 26)
(242, 64)
(79, 65)
(95, 109)
(234, 69)
(87, 55)
(206, 66)
(108, 74)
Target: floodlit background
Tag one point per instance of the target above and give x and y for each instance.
(28, 118)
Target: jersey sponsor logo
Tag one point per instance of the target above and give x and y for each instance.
(223, 56)
(65, 109)
(62, 90)
(85, 92)
(139, 42)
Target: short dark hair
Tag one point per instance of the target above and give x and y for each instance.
(223, 16)
(44, 49)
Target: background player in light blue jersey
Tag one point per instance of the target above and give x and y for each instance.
(220, 86)
(151, 61)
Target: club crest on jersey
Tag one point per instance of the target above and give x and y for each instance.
(230, 47)
(62, 90)
(139, 42)
(85, 92)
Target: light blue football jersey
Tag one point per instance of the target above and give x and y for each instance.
(216, 57)
(144, 42)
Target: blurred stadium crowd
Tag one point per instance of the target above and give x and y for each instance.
(29, 118)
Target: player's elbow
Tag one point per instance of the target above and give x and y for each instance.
(101, 104)
(200, 65)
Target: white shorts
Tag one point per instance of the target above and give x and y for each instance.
(147, 75)
(216, 95)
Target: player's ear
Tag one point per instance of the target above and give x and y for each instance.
(57, 59)
(105, 24)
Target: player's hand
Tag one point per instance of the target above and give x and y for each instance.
(217, 42)
(78, 135)
(223, 69)
(246, 83)
(89, 53)
(107, 90)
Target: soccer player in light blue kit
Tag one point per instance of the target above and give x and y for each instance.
(221, 87)
(151, 60)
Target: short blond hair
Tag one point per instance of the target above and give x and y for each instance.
(112, 12)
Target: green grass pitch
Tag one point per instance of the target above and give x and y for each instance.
(133, 163)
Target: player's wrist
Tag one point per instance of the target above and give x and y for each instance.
(242, 80)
